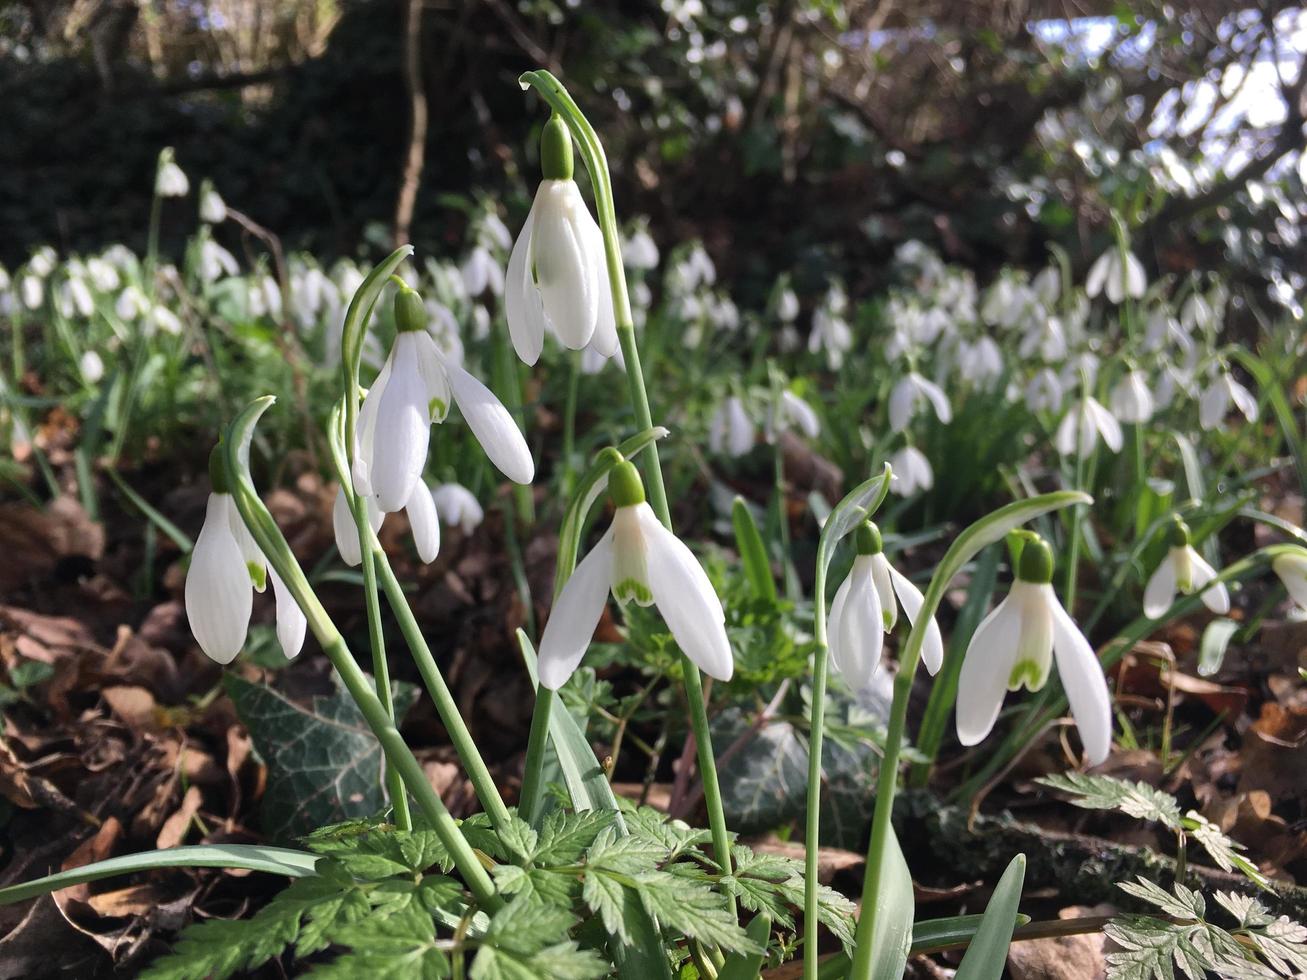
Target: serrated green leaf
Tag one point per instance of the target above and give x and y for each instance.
(1109, 793)
(675, 836)
(562, 961)
(564, 837)
(694, 909)
(604, 895)
(1183, 904)
(398, 947)
(1222, 849)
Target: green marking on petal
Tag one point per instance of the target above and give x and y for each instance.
(628, 589)
(1027, 674)
(438, 409)
(258, 574)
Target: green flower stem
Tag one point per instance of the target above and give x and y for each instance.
(817, 727)
(459, 736)
(597, 165)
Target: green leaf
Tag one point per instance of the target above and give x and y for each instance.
(986, 956)
(695, 909)
(1222, 849)
(1109, 793)
(891, 937)
(324, 763)
(1215, 642)
(360, 311)
(1183, 903)
(397, 947)
(253, 857)
(931, 935)
(748, 966)
(753, 553)
(566, 836)
(176, 534)
(562, 961)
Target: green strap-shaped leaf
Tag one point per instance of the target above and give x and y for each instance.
(1216, 641)
(891, 940)
(753, 554)
(253, 857)
(987, 954)
(748, 966)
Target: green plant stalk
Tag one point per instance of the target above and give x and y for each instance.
(273, 545)
(597, 165)
(812, 816)
(377, 640)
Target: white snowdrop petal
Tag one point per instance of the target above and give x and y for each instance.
(1065, 440)
(937, 398)
(604, 338)
(685, 598)
(1097, 274)
(575, 615)
(365, 432)
(901, 402)
(342, 525)
(986, 667)
(1215, 595)
(434, 376)
(493, 427)
(526, 325)
(1086, 688)
(1292, 570)
(424, 522)
(1136, 282)
(932, 650)
(833, 623)
(1243, 399)
(882, 575)
(567, 284)
(1107, 425)
(291, 622)
(218, 594)
(1213, 404)
(255, 564)
(1159, 593)
(801, 413)
(403, 428)
(862, 627)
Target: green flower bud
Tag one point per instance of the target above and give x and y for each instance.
(410, 314)
(1178, 537)
(218, 470)
(868, 540)
(1036, 564)
(625, 486)
(556, 150)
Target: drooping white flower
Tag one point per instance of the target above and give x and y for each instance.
(131, 304)
(43, 262)
(639, 252)
(832, 334)
(1045, 337)
(169, 179)
(866, 606)
(102, 274)
(1015, 646)
(347, 535)
(415, 388)
(637, 559)
(557, 275)
(481, 271)
(424, 522)
(458, 507)
(1047, 285)
(731, 430)
(91, 365)
(1183, 571)
(1117, 275)
(491, 230)
(32, 289)
(213, 208)
(1291, 567)
(907, 396)
(1083, 424)
(791, 411)
(1163, 331)
(226, 568)
(165, 319)
(1197, 313)
(1044, 391)
(1131, 398)
(592, 362)
(912, 472)
(216, 261)
(1214, 403)
(979, 362)
(75, 298)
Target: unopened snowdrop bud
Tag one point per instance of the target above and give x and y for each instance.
(1082, 426)
(639, 252)
(637, 559)
(347, 535)
(92, 367)
(1291, 567)
(1183, 571)
(169, 179)
(787, 306)
(731, 430)
(912, 472)
(557, 275)
(213, 208)
(458, 507)
(1015, 646)
(1117, 273)
(1214, 403)
(906, 397)
(1131, 399)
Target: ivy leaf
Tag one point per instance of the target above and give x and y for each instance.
(764, 783)
(1108, 793)
(324, 763)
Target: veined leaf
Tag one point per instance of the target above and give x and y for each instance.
(987, 954)
(1109, 793)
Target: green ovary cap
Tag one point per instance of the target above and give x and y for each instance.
(1178, 537)
(624, 485)
(556, 150)
(1036, 563)
(868, 540)
(218, 470)
(410, 314)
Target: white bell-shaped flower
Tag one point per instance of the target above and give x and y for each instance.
(1214, 403)
(731, 431)
(866, 606)
(1117, 274)
(907, 396)
(347, 535)
(416, 387)
(787, 306)
(912, 472)
(458, 507)
(1048, 285)
(1044, 391)
(637, 559)
(1183, 571)
(1132, 399)
(1015, 646)
(480, 272)
(831, 333)
(1291, 567)
(91, 365)
(216, 261)
(213, 208)
(1083, 424)
(226, 567)
(558, 275)
(979, 362)
(639, 252)
(169, 179)
(789, 412)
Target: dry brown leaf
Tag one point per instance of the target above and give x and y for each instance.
(135, 706)
(176, 826)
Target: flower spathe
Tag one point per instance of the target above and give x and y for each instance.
(637, 559)
(557, 277)
(1183, 571)
(1016, 645)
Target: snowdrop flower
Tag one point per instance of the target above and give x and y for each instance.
(907, 396)
(1183, 571)
(696, 269)
(1117, 273)
(415, 388)
(981, 362)
(912, 472)
(215, 261)
(226, 567)
(169, 180)
(346, 532)
(423, 522)
(458, 507)
(43, 261)
(1047, 286)
(492, 230)
(791, 410)
(866, 606)
(1214, 403)
(557, 275)
(1015, 646)
(32, 290)
(1197, 313)
(832, 334)
(1082, 367)
(102, 274)
(1082, 425)
(1044, 391)
(731, 430)
(592, 362)
(1163, 330)
(131, 304)
(92, 366)
(480, 272)
(639, 251)
(165, 319)
(1291, 567)
(637, 559)
(1046, 337)
(787, 305)
(1131, 399)
(75, 298)
(213, 208)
